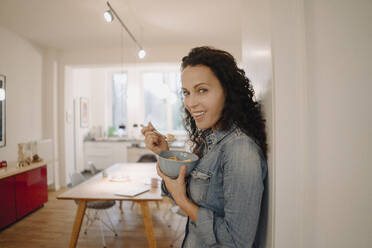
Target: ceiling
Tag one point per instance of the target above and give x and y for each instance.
(70, 25)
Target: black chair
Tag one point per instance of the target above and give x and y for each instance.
(147, 158)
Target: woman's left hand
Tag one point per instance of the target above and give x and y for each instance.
(176, 187)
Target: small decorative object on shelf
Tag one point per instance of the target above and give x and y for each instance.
(3, 163)
(36, 158)
(24, 151)
(21, 156)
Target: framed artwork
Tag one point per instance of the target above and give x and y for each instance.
(2, 111)
(84, 121)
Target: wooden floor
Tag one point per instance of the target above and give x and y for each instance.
(51, 226)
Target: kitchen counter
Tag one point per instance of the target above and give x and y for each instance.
(136, 142)
(116, 139)
(12, 169)
(105, 152)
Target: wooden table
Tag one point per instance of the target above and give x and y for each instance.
(99, 188)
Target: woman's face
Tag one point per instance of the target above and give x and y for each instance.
(204, 96)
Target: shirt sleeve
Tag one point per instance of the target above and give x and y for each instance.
(164, 191)
(243, 186)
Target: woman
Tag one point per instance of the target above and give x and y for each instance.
(222, 197)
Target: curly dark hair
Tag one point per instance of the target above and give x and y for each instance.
(240, 106)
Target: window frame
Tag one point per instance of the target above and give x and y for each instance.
(169, 116)
(111, 74)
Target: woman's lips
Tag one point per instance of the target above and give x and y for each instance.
(198, 115)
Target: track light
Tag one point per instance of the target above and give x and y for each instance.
(109, 16)
(141, 54)
(2, 94)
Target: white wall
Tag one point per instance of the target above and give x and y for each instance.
(66, 122)
(339, 55)
(91, 84)
(289, 111)
(22, 64)
(99, 86)
(257, 63)
(81, 88)
(322, 123)
(49, 115)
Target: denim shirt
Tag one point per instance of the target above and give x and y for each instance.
(227, 185)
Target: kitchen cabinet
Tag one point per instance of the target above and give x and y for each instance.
(7, 201)
(22, 190)
(104, 153)
(31, 190)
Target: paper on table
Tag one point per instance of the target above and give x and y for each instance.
(119, 179)
(133, 191)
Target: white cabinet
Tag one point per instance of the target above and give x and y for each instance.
(104, 154)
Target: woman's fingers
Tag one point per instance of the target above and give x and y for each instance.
(151, 139)
(152, 135)
(144, 130)
(155, 136)
(160, 173)
(182, 174)
(150, 126)
(149, 132)
(147, 128)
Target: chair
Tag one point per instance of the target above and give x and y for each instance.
(147, 158)
(93, 168)
(97, 207)
(176, 212)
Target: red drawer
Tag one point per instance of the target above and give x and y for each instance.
(7, 201)
(31, 190)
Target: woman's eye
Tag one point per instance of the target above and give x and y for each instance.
(203, 90)
(185, 93)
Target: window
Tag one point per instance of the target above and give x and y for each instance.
(119, 100)
(162, 100)
(176, 101)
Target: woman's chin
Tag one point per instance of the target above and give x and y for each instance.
(200, 126)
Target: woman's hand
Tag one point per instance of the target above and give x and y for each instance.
(176, 187)
(154, 141)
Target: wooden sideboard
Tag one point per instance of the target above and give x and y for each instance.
(22, 190)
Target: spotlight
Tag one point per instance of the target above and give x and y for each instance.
(2, 94)
(108, 16)
(141, 54)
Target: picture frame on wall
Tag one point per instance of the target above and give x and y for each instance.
(84, 118)
(2, 111)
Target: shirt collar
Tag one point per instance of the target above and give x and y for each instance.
(211, 138)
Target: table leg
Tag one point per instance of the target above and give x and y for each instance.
(120, 206)
(148, 223)
(77, 223)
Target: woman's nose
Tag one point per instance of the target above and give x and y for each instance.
(191, 101)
